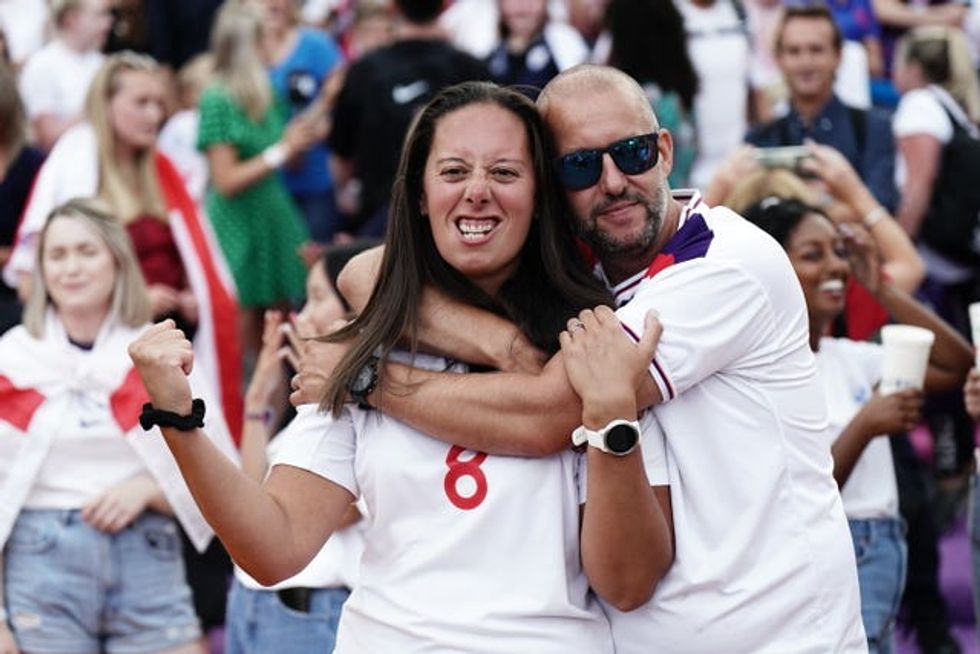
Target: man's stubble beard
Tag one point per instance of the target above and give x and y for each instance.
(603, 244)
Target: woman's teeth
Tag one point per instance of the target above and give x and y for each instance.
(475, 229)
(832, 286)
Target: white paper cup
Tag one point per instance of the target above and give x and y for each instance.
(906, 357)
(975, 330)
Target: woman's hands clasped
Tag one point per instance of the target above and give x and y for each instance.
(604, 365)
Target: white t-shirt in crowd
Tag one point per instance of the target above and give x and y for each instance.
(763, 558)
(464, 552)
(473, 25)
(55, 80)
(718, 45)
(89, 434)
(849, 371)
(921, 112)
(23, 23)
(337, 563)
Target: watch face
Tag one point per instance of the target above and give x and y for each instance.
(363, 380)
(621, 439)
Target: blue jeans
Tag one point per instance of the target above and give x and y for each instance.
(259, 622)
(72, 588)
(882, 558)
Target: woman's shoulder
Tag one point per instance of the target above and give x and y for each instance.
(920, 112)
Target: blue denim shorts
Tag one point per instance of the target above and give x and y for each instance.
(882, 558)
(258, 621)
(73, 589)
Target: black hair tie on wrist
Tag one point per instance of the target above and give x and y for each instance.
(152, 416)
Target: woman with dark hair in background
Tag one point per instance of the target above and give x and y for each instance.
(645, 39)
(824, 257)
(19, 164)
(300, 614)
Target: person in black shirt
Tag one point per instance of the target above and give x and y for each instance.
(381, 94)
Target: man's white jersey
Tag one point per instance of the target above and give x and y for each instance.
(464, 551)
(764, 561)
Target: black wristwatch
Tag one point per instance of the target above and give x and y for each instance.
(364, 383)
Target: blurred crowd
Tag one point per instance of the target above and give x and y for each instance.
(246, 149)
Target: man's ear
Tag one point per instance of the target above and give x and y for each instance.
(665, 144)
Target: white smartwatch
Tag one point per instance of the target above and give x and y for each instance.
(619, 437)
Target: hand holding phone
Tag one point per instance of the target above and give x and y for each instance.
(782, 157)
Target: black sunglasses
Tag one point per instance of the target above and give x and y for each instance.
(634, 155)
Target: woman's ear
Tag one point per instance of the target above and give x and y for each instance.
(423, 205)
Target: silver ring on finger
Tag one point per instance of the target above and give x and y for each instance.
(575, 326)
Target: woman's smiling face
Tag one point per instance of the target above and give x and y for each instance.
(817, 253)
(479, 191)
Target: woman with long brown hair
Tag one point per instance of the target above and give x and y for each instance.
(465, 551)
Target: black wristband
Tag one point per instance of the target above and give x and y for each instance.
(151, 417)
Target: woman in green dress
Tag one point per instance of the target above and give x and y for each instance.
(243, 133)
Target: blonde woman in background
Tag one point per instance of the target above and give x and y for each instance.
(940, 102)
(89, 503)
(113, 156)
(243, 135)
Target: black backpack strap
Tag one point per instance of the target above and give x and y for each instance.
(781, 128)
(742, 15)
(859, 123)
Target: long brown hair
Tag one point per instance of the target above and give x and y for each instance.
(551, 283)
